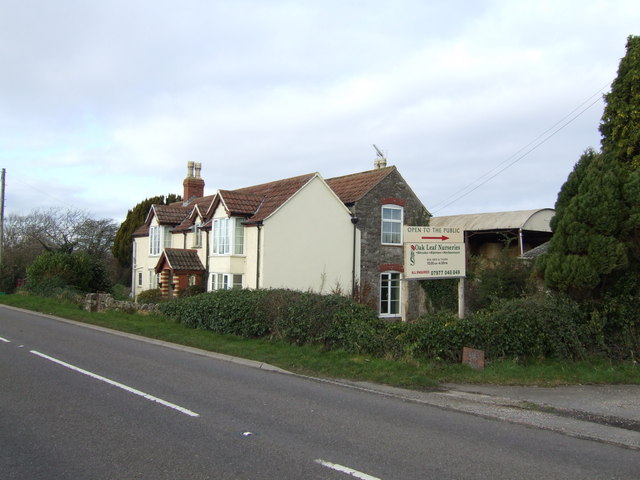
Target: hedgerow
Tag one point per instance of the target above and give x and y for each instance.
(530, 328)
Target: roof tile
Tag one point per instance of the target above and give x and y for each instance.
(351, 188)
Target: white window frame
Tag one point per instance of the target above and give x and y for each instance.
(227, 236)
(154, 240)
(197, 235)
(392, 222)
(387, 302)
(225, 281)
(154, 279)
(159, 239)
(140, 279)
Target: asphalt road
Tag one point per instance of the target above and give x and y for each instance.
(77, 403)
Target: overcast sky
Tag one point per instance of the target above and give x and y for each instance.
(102, 103)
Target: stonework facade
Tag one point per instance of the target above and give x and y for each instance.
(377, 257)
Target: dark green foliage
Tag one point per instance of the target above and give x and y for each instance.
(620, 126)
(192, 290)
(531, 328)
(10, 273)
(153, 295)
(527, 328)
(591, 236)
(77, 270)
(441, 294)
(121, 248)
(500, 278)
(595, 250)
(333, 321)
(615, 322)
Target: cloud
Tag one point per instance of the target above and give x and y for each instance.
(116, 97)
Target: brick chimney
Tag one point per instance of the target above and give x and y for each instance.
(193, 184)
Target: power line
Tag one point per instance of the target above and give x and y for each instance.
(487, 176)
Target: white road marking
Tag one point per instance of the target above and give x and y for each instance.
(4, 340)
(347, 470)
(116, 384)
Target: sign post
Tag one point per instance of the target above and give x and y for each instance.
(432, 253)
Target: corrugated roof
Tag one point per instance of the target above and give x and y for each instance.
(351, 188)
(537, 220)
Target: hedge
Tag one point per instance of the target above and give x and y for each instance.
(545, 326)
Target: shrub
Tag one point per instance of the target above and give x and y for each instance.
(527, 328)
(222, 311)
(545, 326)
(77, 270)
(503, 277)
(192, 290)
(615, 327)
(300, 318)
(153, 295)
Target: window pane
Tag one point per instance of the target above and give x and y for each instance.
(392, 213)
(238, 248)
(392, 225)
(390, 294)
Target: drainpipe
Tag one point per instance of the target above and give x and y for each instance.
(206, 262)
(133, 269)
(354, 220)
(521, 241)
(259, 225)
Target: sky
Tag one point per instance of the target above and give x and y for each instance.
(483, 106)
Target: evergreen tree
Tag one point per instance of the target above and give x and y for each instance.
(135, 218)
(620, 126)
(595, 249)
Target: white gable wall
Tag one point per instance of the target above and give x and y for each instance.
(307, 244)
(143, 263)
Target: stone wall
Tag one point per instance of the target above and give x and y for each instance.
(375, 257)
(102, 302)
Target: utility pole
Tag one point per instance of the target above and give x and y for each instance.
(2, 212)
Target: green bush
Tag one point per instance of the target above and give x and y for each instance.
(530, 328)
(545, 326)
(499, 278)
(77, 270)
(615, 327)
(527, 328)
(222, 311)
(300, 318)
(192, 290)
(153, 295)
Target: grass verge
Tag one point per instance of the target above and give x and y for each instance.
(310, 360)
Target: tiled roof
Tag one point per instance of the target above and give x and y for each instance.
(240, 203)
(171, 214)
(188, 221)
(351, 188)
(260, 201)
(180, 259)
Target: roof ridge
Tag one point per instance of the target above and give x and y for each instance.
(375, 170)
(296, 177)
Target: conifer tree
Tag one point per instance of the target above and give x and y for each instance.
(135, 218)
(595, 249)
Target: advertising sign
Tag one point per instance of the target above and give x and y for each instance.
(434, 252)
